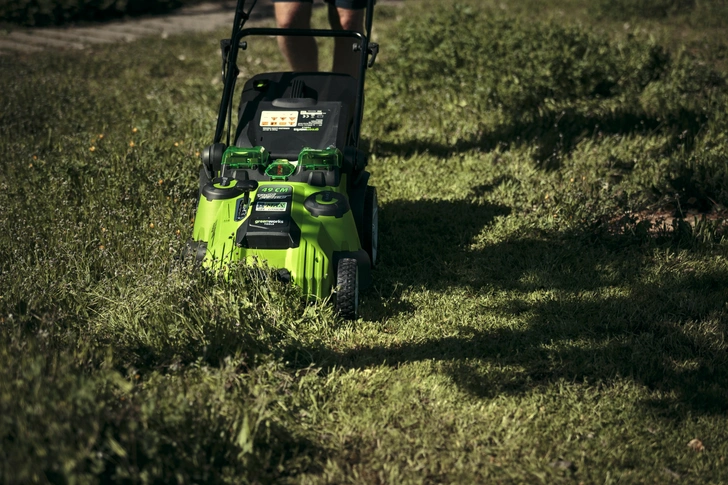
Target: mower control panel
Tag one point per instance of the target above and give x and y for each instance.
(270, 225)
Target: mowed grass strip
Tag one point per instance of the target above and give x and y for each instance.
(550, 304)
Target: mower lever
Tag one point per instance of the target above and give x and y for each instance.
(247, 185)
(373, 50)
(225, 45)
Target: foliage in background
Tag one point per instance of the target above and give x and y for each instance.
(626, 9)
(530, 320)
(55, 12)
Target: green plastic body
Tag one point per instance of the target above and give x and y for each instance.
(311, 263)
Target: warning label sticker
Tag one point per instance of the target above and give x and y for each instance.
(305, 120)
(279, 119)
(311, 120)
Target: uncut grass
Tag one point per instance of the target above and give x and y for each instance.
(523, 325)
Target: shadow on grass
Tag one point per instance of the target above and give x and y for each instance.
(556, 134)
(208, 458)
(570, 308)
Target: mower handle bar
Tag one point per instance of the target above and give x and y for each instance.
(365, 46)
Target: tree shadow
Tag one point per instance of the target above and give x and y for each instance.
(577, 309)
(425, 240)
(557, 133)
(422, 238)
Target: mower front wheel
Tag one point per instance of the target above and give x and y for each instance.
(347, 288)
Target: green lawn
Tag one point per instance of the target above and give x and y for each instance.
(550, 304)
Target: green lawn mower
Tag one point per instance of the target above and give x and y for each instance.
(291, 191)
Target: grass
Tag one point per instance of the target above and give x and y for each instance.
(530, 320)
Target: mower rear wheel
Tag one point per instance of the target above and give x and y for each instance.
(347, 288)
(370, 229)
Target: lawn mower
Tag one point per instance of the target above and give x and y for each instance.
(288, 188)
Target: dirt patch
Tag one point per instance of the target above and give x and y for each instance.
(666, 220)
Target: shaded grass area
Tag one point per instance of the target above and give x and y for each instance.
(707, 13)
(526, 324)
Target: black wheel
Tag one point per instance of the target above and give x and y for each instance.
(370, 229)
(347, 288)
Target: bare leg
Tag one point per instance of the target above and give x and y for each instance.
(300, 52)
(346, 61)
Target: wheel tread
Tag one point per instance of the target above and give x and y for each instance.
(347, 290)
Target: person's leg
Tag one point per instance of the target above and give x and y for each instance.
(300, 52)
(346, 61)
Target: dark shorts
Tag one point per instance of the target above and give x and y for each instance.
(348, 4)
